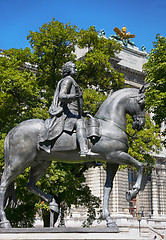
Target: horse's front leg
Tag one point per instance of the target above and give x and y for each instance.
(126, 158)
(111, 170)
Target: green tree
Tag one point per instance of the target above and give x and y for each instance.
(52, 45)
(143, 143)
(19, 91)
(155, 69)
(66, 182)
(156, 78)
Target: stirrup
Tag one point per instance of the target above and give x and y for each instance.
(45, 148)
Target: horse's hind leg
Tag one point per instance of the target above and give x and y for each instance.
(3, 188)
(35, 174)
(111, 171)
(9, 174)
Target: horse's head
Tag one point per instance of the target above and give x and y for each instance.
(138, 109)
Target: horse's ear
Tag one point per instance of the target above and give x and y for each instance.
(142, 89)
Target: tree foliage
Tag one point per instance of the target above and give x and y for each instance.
(19, 91)
(145, 142)
(52, 45)
(156, 77)
(67, 183)
(22, 216)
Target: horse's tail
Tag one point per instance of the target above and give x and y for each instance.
(9, 195)
(6, 149)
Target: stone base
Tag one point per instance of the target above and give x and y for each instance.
(60, 230)
(65, 234)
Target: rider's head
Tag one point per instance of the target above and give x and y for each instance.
(69, 68)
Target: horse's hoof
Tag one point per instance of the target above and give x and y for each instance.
(113, 226)
(5, 224)
(105, 215)
(131, 194)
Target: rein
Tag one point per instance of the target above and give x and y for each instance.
(117, 125)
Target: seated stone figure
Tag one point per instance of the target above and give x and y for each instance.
(66, 112)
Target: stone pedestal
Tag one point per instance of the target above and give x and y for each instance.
(66, 233)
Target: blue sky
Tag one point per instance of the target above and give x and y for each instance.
(145, 18)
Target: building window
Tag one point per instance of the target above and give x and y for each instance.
(132, 176)
(133, 207)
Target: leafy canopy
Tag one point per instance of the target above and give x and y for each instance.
(19, 92)
(156, 77)
(52, 45)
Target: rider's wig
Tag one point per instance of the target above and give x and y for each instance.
(66, 69)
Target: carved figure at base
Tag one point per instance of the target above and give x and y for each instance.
(66, 113)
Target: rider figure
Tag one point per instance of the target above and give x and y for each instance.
(66, 111)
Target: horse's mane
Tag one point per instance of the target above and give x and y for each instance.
(122, 93)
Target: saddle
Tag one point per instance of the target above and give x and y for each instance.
(68, 141)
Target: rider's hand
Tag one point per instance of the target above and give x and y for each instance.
(78, 93)
(86, 113)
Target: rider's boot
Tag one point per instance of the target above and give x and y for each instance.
(82, 139)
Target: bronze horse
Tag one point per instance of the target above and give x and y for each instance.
(20, 149)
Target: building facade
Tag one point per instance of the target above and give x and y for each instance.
(151, 200)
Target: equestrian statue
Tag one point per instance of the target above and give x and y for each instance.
(67, 136)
